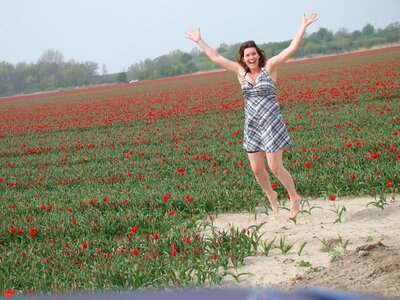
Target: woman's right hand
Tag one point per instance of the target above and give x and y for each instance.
(193, 35)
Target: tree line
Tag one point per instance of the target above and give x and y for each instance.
(51, 71)
(322, 42)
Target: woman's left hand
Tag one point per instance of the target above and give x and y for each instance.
(310, 19)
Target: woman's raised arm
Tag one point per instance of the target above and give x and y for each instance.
(227, 64)
(287, 53)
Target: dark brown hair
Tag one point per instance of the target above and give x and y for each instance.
(250, 44)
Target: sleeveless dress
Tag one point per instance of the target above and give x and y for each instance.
(264, 129)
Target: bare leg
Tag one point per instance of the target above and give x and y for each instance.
(276, 166)
(257, 162)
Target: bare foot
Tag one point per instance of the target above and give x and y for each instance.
(295, 207)
(274, 202)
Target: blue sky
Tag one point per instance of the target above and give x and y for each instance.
(119, 33)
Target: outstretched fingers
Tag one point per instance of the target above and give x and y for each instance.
(310, 19)
(193, 35)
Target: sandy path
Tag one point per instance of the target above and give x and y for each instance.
(361, 225)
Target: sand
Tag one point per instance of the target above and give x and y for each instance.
(360, 253)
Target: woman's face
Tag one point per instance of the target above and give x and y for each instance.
(251, 57)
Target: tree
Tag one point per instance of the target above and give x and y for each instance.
(322, 34)
(368, 30)
(356, 34)
(104, 70)
(6, 74)
(122, 77)
(51, 56)
(223, 47)
(185, 58)
(342, 33)
(90, 68)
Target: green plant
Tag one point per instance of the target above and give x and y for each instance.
(327, 246)
(301, 248)
(306, 207)
(285, 248)
(339, 213)
(335, 255)
(369, 238)
(268, 246)
(343, 243)
(381, 203)
(305, 264)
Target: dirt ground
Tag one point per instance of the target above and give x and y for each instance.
(358, 254)
(372, 269)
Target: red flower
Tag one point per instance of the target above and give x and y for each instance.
(389, 184)
(332, 198)
(352, 177)
(308, 165)
(173, 252)
(188, 198)
(9, 293)
(32, 232)
(135, 252)
(135, 229)
(375, 156)
(84, 245)
(167, 196)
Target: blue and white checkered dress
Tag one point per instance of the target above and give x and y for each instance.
(264, 129)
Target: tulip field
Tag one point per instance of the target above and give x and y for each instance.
(113, 188)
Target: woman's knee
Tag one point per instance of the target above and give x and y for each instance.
(275, 162)
(276, 169)
(258, 169)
